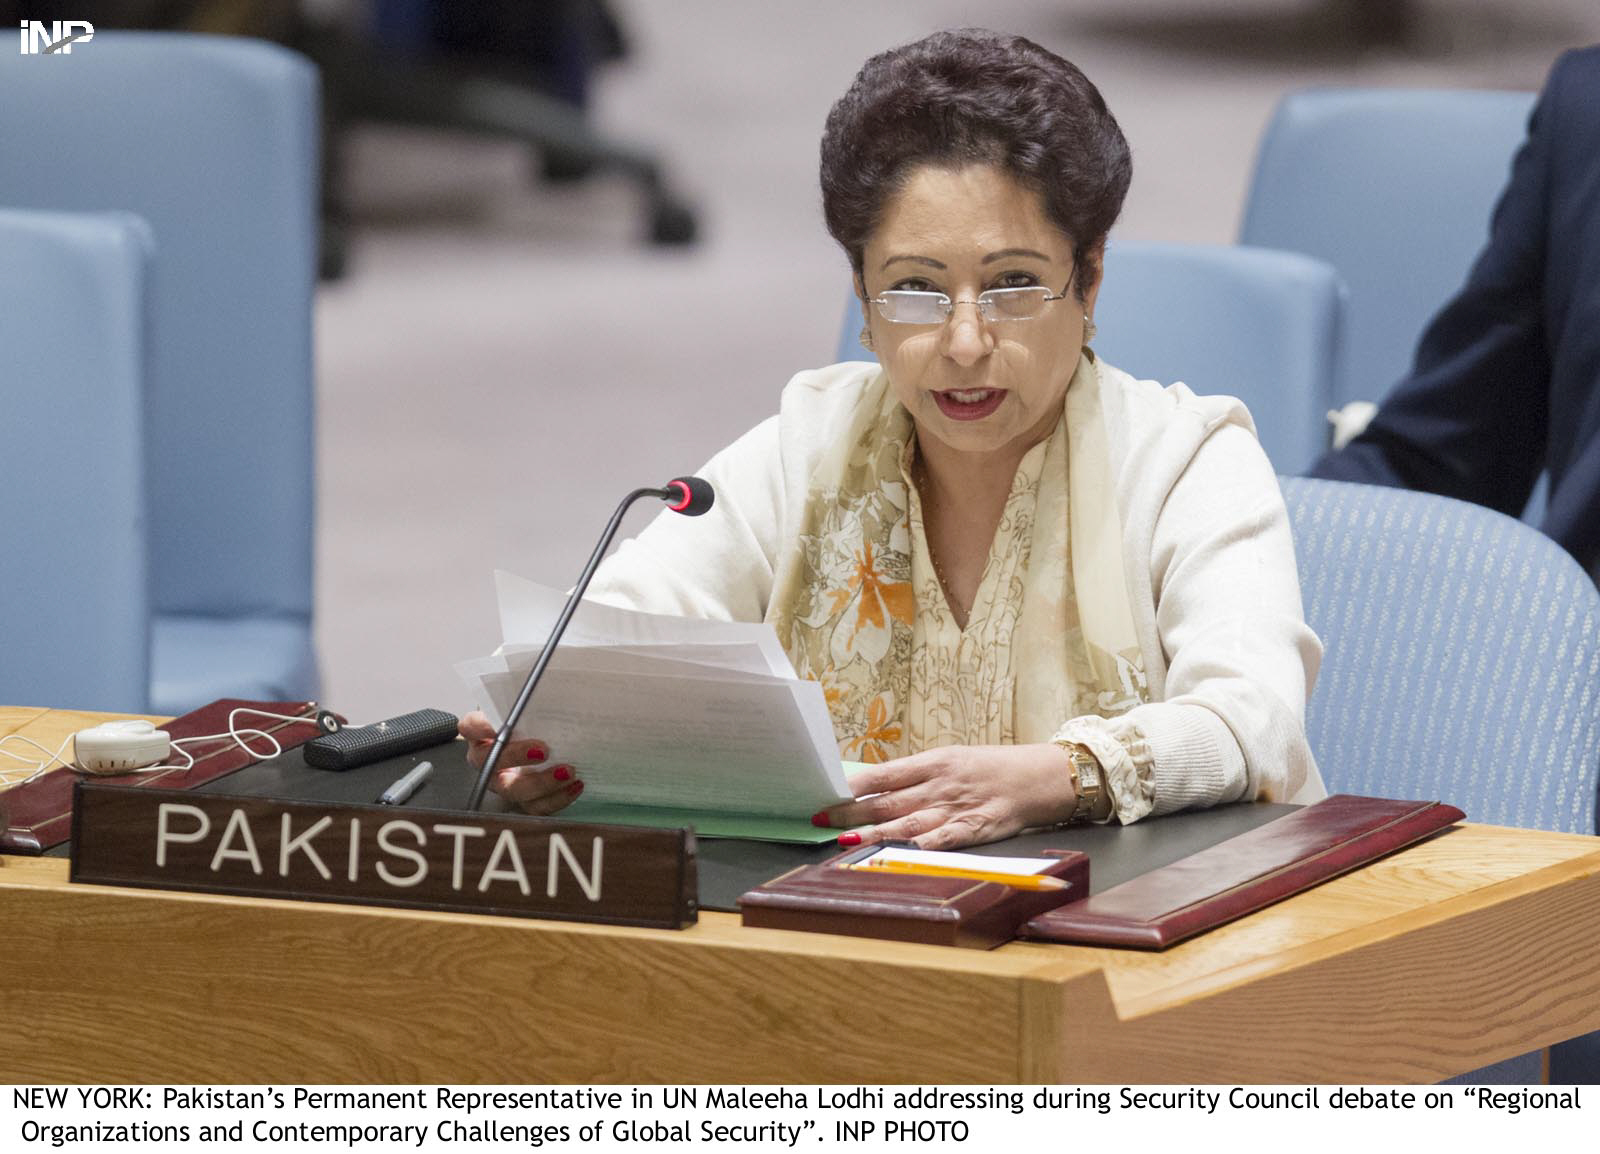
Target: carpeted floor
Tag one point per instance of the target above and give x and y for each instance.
(505, 359)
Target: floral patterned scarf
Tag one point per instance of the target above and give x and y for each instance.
(843, 603)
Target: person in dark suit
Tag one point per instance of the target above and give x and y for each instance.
(1507, 376)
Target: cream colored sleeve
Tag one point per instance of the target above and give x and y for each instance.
(1240, 658)
(718, 565)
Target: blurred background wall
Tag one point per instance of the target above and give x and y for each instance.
(504, 358)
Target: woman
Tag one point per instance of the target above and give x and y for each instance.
(1034, 589)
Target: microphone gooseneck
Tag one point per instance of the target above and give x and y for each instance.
(690, 496)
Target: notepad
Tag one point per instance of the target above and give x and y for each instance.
(703, 718)
(968, 861)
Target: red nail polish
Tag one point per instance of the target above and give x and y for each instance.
(536, 754)
(849, 839)
(562, 773)
(820, 819)
(575, 788)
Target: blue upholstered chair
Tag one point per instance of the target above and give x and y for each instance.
(1256, 324)
(74, 595)
(214, 141)
(1463, 663)
(1394, 189)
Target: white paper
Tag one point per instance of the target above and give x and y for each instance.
(961, 861)
(729, 661)
(665, 711)
(528, 612)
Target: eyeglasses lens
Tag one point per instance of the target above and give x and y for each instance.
(913, 308)
(1016, 304)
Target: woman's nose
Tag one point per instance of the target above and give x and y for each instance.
(966, 336)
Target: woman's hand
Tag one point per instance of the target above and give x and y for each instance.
(957, 795)
(520, 778)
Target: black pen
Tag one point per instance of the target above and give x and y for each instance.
(400, 792)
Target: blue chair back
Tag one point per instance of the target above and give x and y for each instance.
(214, 141)
(1252, 323)
(1394, 189)
(75, 612)
(1256, 324)
(1463, 655)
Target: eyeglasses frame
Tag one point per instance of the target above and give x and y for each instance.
(949, 306)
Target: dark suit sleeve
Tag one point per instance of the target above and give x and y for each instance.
(1472, 418)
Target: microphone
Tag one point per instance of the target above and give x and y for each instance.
(690, 496)
(697, 495)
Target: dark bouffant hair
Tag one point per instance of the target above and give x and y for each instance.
(975, 97)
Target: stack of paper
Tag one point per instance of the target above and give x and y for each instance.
(667, 713)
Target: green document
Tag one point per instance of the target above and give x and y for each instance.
(708, 822)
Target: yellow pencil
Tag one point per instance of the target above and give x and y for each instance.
(1019, 881)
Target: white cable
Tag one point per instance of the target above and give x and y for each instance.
(234, 733)
(238, 736)
(35, 769)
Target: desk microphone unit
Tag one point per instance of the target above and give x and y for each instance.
(690, 496)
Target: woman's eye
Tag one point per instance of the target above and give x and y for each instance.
(1017, 280)
(913, 285)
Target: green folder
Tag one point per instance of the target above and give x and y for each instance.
(708, 822)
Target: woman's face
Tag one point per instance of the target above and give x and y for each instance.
(975, 385)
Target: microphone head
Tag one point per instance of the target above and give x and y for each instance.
(691, 495)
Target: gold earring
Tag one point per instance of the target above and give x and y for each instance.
(866, 337)
(1088, 329)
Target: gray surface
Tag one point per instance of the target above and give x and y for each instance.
(289, 776)
(728, 868)
(1116, 853)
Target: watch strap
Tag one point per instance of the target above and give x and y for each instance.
(1088, 781)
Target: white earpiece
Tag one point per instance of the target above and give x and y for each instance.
(118, 746)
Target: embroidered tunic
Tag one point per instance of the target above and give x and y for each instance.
(1206, 706)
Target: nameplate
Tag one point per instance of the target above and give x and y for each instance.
(509, 864)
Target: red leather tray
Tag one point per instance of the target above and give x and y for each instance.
(1244, 873)
(40, 812)
(942, 911)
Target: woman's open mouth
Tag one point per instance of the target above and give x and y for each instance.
(969, 404)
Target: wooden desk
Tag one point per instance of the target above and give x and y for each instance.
(1476, 946)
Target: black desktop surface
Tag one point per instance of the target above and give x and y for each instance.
(729, 867)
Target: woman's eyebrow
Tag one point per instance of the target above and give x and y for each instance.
(1007, 253)
(927, 260)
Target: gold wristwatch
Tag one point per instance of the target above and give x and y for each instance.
(1093, 799)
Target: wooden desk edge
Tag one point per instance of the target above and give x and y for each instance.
(1044, 968)
(714, 930)
(1310, 953)
(1059, 990)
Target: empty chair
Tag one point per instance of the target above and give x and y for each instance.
(75, 613)
(1463, 655)
(1394, 189)
(509, 71)
(1462, 663)
(214, 141)
(1252, 323)
(1256, 324)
